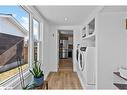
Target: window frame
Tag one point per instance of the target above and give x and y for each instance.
(38, 41)
(26, 70)
(33, 14)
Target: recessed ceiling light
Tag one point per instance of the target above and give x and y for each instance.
(65, 18)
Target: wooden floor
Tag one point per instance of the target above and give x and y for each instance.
(65, 65)
(65, 78)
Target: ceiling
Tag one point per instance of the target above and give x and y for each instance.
(66, 15)
(114, 9)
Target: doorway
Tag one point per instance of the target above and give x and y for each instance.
(65, 50)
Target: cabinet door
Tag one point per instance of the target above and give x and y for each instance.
(90, 65)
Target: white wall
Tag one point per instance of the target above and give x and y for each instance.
(53, 39)
(50, 48)
(111, 42)
(9, 28)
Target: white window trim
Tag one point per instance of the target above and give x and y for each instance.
(14, 81)
(38, 41)
(37, 16)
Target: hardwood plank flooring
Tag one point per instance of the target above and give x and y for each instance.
(65, 78)
(65, 65)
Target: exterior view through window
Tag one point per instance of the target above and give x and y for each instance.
(14, 39)
(36, 39)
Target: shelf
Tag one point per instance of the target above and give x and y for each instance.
(118, 74)
(89, 41)
(90, 37)
(121, 86)
(91, 27)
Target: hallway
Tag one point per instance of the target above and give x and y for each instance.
(65, 78)
(65, 65)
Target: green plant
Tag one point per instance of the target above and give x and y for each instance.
(36, 69)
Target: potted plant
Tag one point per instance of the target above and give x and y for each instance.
(37, 73)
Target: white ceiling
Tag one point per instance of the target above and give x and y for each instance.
(75, 15)
(114, 9)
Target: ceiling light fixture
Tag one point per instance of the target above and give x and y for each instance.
(65, 18)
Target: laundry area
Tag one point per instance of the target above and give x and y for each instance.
(85, 55)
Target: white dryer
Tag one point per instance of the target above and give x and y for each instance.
(80, 57)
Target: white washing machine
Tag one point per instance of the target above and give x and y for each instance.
(81, 63)
(81, 57)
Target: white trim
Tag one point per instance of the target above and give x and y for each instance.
(34, 13)
(31, 49)
(14, 81)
